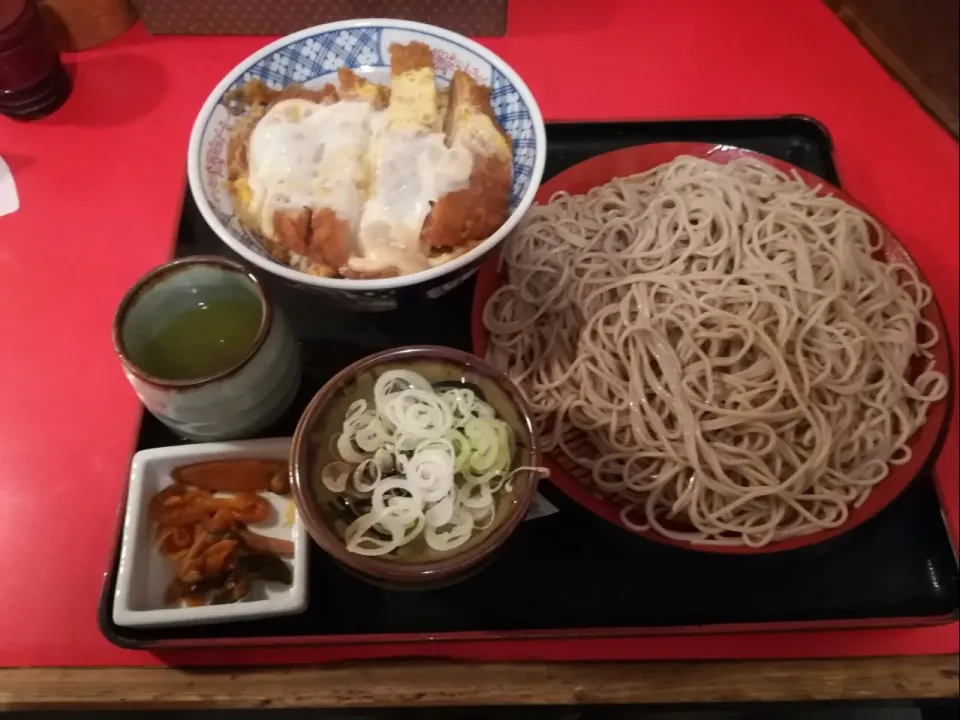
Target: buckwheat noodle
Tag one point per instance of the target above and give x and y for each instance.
(716, 346)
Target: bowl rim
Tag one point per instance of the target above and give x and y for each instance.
(158, 275)
(194, 159)
(376, 567)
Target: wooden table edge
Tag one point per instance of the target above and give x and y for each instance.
(413, 683)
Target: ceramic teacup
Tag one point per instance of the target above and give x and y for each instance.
(235, 401)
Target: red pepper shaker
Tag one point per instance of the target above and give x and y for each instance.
(33, 81)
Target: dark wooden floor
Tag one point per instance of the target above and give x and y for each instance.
(917, 41)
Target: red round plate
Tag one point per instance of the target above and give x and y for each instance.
(925, 444)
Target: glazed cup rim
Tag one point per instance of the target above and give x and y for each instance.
(377, 568)
(158, 274)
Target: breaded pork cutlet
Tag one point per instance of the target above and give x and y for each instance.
(353, 87)
(474, 213)
(318, 235)
(412, 108)
(289, 231)
(256, 92)
(443, 104)
(329, 238)
(413, 89)
(320, 242)
(259, 98)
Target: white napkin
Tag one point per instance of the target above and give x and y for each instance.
(9, 202)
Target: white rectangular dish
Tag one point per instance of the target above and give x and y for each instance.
(143, 573)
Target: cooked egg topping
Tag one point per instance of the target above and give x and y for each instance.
(413, 171)
(303, 154)
(379, 176)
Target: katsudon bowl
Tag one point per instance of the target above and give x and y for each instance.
(312, 58)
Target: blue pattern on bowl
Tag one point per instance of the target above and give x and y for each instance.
(312, 58)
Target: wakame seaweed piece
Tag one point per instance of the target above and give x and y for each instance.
(265, 567)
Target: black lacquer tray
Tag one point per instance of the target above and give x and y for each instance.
(571, 573)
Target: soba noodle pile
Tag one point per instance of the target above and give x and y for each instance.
(716, 347)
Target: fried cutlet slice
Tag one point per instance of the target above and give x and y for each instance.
(473, 213)
(330, 238)
(256, 92)
(470, 120)
(443, 104)
(291, 228)
(413, 89)
(258, 97)
(354, 87)
(319, 235)
(327, 95)
(318, 238)
(358, 89)
(412, 110)
(476, 211)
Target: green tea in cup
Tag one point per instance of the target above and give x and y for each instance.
(209, 333)
(205, 350)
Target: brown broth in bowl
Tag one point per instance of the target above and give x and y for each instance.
(340, 509)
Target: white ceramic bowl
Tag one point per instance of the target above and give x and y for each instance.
(143, 573)
(312, 57)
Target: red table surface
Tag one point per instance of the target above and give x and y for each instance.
(100, 187)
